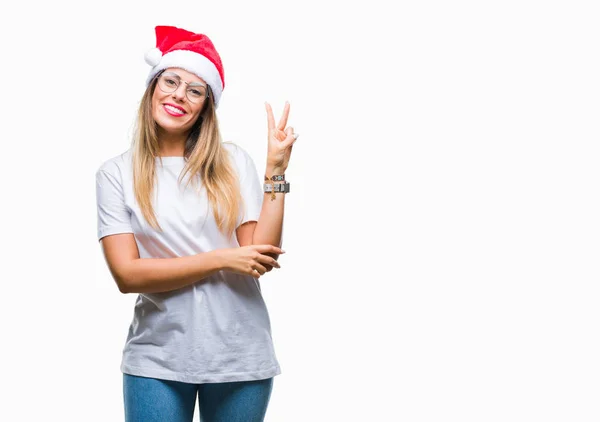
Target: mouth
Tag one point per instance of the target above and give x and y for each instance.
(174, 110)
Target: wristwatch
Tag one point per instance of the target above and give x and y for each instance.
(278, 187)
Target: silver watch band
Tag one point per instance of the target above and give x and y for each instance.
(279, 187)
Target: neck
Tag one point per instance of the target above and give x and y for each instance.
(171, 144)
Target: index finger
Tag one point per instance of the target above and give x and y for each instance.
(270, 118)
(269, 249)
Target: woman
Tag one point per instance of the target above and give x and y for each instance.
(193, 251)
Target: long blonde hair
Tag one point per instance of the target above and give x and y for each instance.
(206, 159)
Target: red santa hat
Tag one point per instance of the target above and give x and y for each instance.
(176, 47)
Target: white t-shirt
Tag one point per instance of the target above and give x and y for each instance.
(215, 330)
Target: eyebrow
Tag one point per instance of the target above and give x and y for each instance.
(188, 83)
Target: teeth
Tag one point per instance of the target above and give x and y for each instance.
(173, 109)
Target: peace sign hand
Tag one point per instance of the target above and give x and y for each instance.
(281, 140)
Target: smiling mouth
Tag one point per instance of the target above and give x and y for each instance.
(173, 111)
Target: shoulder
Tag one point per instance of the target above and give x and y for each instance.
(117, 164)
(240, 156)
(235, 150)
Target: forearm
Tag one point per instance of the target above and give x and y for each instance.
(269, 227)
(270, 223)
(154, 275)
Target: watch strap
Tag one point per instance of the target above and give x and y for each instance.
(277, 187)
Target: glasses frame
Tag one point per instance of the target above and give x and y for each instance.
(179, 81)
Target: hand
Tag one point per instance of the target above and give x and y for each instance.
(281, 140)
(250, 260)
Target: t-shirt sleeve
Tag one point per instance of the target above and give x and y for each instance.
(113, 215)
(251, 189)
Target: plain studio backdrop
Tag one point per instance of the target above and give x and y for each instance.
(441, 232)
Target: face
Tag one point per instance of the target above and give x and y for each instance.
(173, 111)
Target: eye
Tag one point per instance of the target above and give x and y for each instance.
(196, 92)
(170, 82)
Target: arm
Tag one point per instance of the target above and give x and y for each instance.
(268, 229)
(153, 275)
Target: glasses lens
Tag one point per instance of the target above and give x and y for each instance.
(167, 83)
(196, 94)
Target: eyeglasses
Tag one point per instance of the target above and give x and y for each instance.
(168, 82)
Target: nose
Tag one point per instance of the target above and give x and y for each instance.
(179, 93)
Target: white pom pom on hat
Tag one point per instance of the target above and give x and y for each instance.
(176, 47)
(153, 56)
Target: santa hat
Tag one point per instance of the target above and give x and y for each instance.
(195, 53)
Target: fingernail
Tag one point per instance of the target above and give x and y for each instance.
(282, 251)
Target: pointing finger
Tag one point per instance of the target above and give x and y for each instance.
(270, 118)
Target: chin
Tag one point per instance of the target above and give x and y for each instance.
(169, 126)
(173, 130)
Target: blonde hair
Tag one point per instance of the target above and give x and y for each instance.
(206, 159)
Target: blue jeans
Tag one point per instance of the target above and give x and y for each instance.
(156, 400)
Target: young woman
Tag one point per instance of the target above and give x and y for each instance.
(184, 222)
